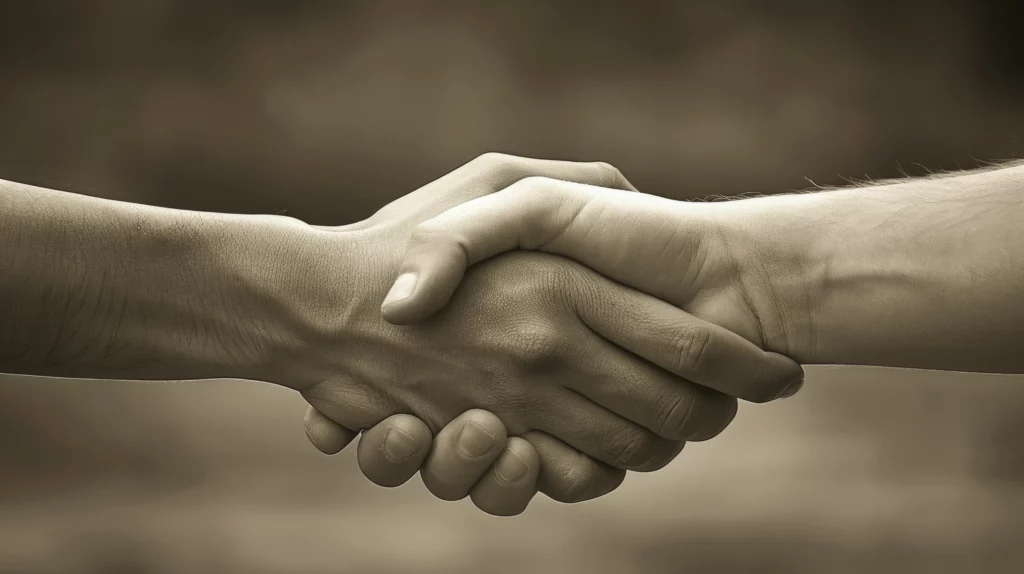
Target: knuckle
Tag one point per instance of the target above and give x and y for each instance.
(532, 184)
(610, 176)
(534, 189)
(491, 159)
(537, 345)
(499, 168)
(691, 348)
(677, 415)
(436, 237)
(426, 231)
(631, 450)
(577, 483)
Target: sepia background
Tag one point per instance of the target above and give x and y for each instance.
(329, 110)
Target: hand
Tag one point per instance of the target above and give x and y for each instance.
(568, 475)
(676, 251)
(522, 341)
(499, 472)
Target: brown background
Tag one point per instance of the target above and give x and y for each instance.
(331, 109)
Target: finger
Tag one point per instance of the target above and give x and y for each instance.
(682, 344)
(509, 486)
(353, 405)
(648, 395)
(527, 215)
(326, 435)
(713, 425)
(600, 433)
(538, 213)
(487, 174)
(391, 452)
(462, 452)
(569, 476)
(491, 172)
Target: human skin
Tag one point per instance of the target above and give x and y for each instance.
(106, 289)
(922, 273)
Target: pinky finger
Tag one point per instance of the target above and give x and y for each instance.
(326, 435)
(511, 483)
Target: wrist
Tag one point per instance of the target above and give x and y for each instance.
(782, 248)
(920, 273)
(213, 296)
(293, 292)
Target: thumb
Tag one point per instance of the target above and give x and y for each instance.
(527, 215)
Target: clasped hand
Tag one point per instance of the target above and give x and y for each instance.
(535, 372)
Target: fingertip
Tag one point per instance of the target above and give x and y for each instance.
(462, 453)
(659, 463)
(404, 301)
(713, 426)
(792, 389)
(783, 379)
(406, 309)
(431, 270)
(512, 483)
(397, 314)
(391, 453)
(518, 463)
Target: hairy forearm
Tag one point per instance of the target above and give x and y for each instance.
(104, 289)
(925, 273)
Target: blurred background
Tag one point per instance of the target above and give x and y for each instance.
(329, 110)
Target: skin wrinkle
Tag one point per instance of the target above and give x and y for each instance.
(634, 445)
(690, 345)
(579, 481)
(580, 300)
(744, 290)
(699, 255)
(557, 232)
(671, 414)
(664, 404)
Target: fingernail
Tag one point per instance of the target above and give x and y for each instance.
(792, 388)
(402, 288)
(511, 467)
(399, 445)
(474, 440)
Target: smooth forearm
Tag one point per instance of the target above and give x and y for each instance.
(104, 289)
(925, 273)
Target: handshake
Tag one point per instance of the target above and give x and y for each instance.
(632, 328)
(521, 325)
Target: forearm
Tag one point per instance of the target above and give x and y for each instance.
(925, 273)
(104, 289)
